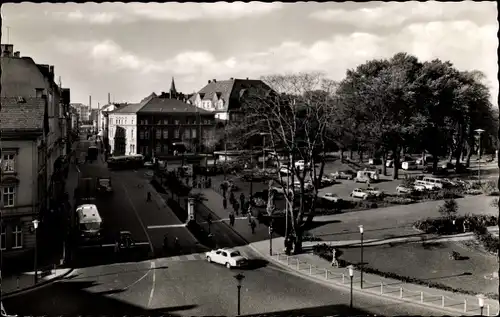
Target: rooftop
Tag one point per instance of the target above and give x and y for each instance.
(22, 114)
(129, 108)
(166, 105)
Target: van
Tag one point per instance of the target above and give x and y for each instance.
(367, 176)
(89, 222)
(436, 182)
(421, 185)
(409, 165)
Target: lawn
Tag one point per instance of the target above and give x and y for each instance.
(429, 261)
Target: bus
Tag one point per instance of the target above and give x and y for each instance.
(89, 223)
(126, 162)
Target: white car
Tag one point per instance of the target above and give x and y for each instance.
(401, 189)
(374, 191)
(285, 170)
(228, 257)
(332, 197)
(360, 193)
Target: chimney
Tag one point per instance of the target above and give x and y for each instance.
(90, 102)
(17, 54)
(109, 98)
(39, 92)
(7, 50)
(231, 78)
(247, 78)
(209, 81)
(51, 72)
(214, 80)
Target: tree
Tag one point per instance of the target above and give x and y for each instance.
(449, 208)
(294, 112)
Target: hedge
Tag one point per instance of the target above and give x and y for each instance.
(445, 226)
(325, 252)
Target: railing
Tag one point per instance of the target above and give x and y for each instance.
(460, 305)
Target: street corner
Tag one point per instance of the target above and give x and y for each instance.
(25, 282)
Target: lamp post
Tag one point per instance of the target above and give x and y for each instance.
(263, 134)
(480, 298)
(351, 275)
(271, 237)
(361, 230)
(479, 132)
(239, 277)
(35, 226)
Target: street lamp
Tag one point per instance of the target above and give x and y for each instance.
(271, 237)
(479, 132)
(239, 277)
(361, 230)
(263, 134)
(351, 275)
(35, 226)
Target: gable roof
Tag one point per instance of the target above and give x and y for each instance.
(22, 116)
(20, 77)
(167, 105)
(129, 108)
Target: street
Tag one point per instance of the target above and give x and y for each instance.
(195, 287)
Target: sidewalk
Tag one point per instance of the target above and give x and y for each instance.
(369, 242)
(314, 267)
(12, 285)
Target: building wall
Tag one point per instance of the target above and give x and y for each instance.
(157, 133)
(122, 133)
(27, 195)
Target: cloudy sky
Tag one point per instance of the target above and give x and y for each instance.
(131, 50)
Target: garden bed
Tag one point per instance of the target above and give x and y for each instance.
(425, 264)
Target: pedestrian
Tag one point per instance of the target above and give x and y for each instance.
(232, 199)
(209, 182)
(242, 199)
(236, 207)
(224, 203)
(149, 197)
(252, 226)
(177, 245)
(231, 219)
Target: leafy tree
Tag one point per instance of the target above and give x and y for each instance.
(449, 208)
(294, 112)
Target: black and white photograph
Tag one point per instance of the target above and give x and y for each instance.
(249, 159)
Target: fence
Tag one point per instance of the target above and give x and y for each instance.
(440, 301)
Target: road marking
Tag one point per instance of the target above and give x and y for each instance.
(152, 286)
(167, 226)
(140, 279)
(107, 245)
(138, 218)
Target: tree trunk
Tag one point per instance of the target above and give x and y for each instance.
(341, 155)
(298, 241)
(435, 161)
(360, 156)
(395, 156)
(469, 154)
(351, 154)
(458, 153)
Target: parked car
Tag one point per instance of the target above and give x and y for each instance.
(327, 181)
(401, 189)
(228, 257)
(375, 192)
(426, 159)
(104, 185)
(148, 164)
(331, 197)
(360, 193)
(448, 165)
(285, 169)
(374, 161)
(349, 175)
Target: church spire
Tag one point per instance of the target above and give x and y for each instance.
(173, 91)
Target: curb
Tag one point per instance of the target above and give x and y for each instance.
(333, 283)
(38, 285)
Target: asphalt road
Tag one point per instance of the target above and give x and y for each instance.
(392, 221)
(194, 288)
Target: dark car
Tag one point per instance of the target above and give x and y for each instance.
(124, 241)
(104, 185)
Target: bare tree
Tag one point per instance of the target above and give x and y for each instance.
(294, 111)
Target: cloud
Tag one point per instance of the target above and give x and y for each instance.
(392, 14)
(467, 45)
(181, 12)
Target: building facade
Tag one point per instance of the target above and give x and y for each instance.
(167, 126)
(223, 98)
(122, 133)
(22, 77)
(23, 173)
(83, 112)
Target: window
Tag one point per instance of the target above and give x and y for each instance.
(177, 133)
(132, 121)
(132, 134)
(17, 233)
(141, 135)
(177, 122)
(186, 134)
(146, 134)
(110, 120)
(3, 238)
(8, 196)
(165, 133)
(165, 121)
(158, 147)
(193, 133)
(158, 133)
(158, 122)
(8, 163)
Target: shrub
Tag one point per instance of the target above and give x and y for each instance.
(445, 225)
(409, 182)
(449, 208)
(402, 200)
(325, 251)
(489, 188)
(472, 192)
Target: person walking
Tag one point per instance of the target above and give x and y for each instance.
(231, 219)
(252, 226)
(224, 203)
